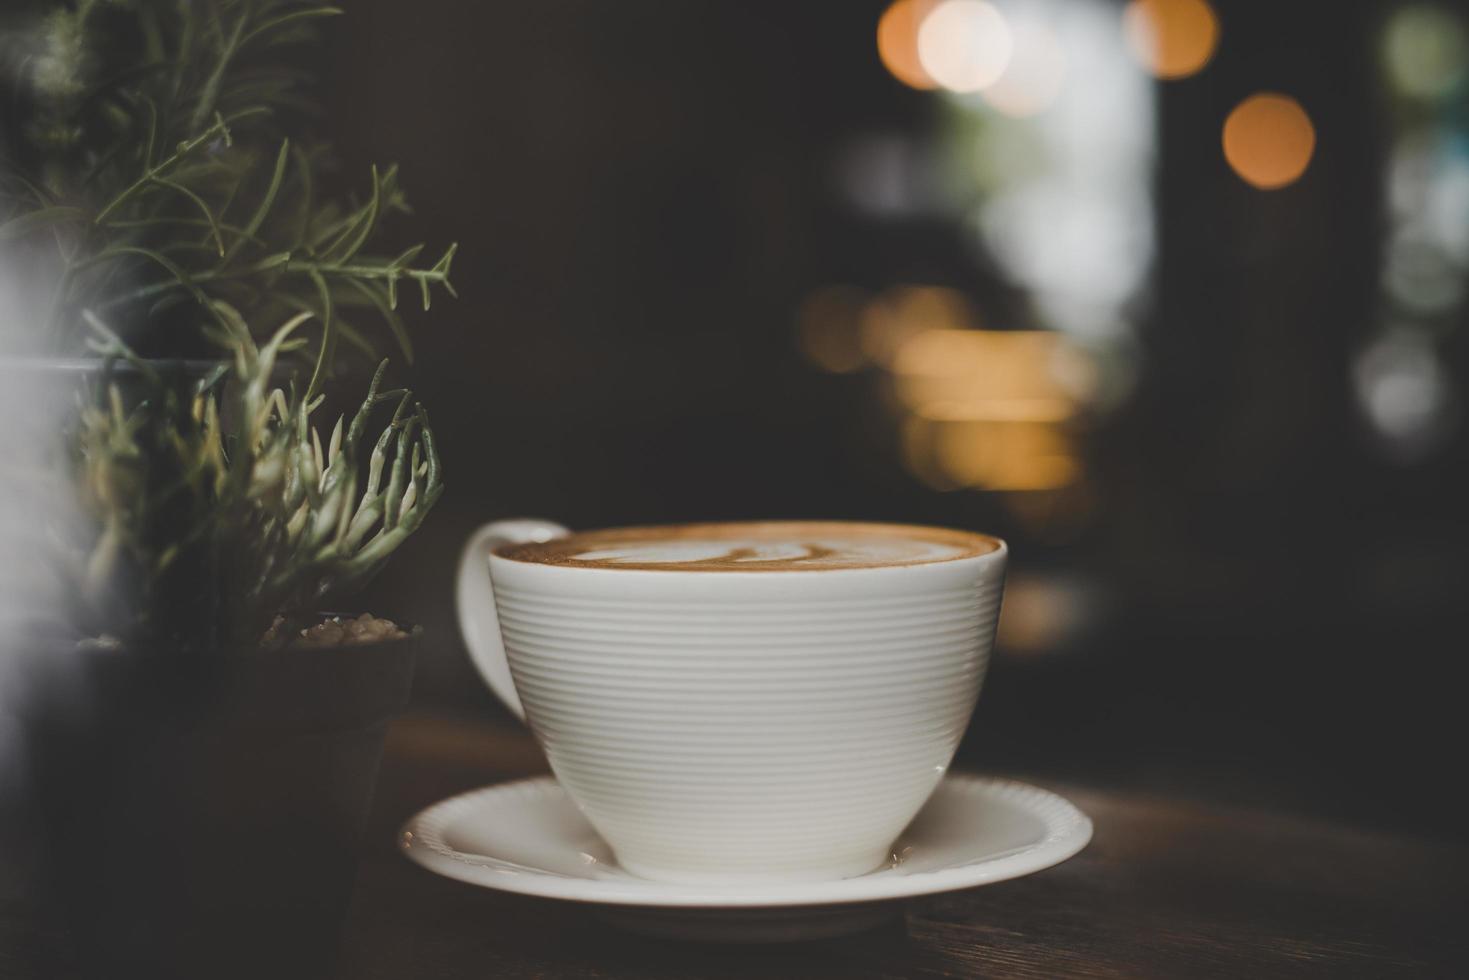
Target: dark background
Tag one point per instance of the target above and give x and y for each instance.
(644, 193)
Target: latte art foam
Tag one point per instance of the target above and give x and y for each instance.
(765, 546)
(827, 551)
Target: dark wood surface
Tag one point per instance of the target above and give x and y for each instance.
(1167, 888)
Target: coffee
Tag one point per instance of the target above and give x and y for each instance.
(763, 546)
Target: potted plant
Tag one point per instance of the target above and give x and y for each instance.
(206, 733)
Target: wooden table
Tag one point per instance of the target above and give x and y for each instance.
(1167, 888)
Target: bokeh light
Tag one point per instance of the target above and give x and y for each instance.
(889, 174)
(1269, 140)
(1425, 50)
(1005, 455)
(976, 408)
(983, 375)
(1405, 392)
(964, 45)
(897, 42)
(987, 409)
(1064, 197)
(903, 312)
(1044, 612)
(1036, 72)
(1422, 278)
(920, 454)
(1082, 251)
(1172, 38)
(829, 324)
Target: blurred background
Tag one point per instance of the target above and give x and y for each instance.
(1171, 294)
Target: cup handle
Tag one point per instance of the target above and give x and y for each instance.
(475, 599)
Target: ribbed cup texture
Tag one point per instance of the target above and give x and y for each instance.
(765, 734)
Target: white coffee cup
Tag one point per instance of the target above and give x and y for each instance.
(759, 722)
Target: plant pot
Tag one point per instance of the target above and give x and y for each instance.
(206, 823)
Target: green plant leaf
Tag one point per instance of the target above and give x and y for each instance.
(257, 219)
(204, 209)
(355, 337)
(273, 347)
(10, 172)
(150, 146)
(328, 335)
(33, 221)
(165, 221)
(220, 130)
(390, 316)
(207, 102)
(296, 16)
(346, 245)
(308, 196)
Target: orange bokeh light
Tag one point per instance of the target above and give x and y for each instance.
(1269, 140)
(983, 375)
(986, 409)
(897, 42)
(900, 313)
(829, 322)
(965, 45)
(1005, 455)
(1172, 38)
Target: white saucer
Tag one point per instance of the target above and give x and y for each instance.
(528, 837)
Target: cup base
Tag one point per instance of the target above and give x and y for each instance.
(855, 868)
